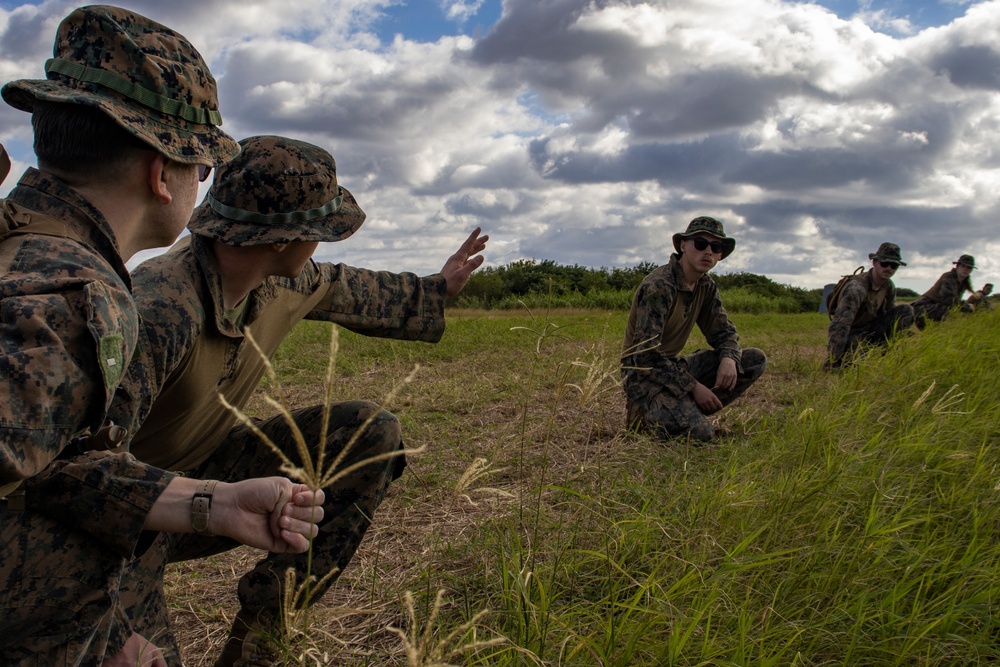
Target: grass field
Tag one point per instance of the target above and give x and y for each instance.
(842, 519)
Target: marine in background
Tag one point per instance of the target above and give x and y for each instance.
(863, 310)
(667, 394)
(946, 294)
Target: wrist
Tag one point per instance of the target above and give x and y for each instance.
(201, 507)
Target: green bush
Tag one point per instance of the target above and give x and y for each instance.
(545, 284)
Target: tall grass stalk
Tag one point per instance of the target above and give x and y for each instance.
(315, 473)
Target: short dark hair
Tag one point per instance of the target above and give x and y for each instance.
(79, 139)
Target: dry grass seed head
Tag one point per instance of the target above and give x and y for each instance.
(420, 646)
(312, 473)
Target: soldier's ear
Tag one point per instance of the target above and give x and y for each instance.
(156, 174)
(279, 246)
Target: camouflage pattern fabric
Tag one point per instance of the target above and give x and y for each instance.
(667, 415)
(172, 101)
(69, 329)
(888, 252)
(192, 349)
(278, 190)
(69, 325)
(350, 506)
(196, 349)
(865, 315)
(706, 225)
(944, 295)
(664, 312)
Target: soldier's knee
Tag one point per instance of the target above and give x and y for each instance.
(702, 432)
(696, 428)
(754, 361)
(384, 430)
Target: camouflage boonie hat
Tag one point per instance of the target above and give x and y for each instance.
(710, 226)
(278, 190)
(887, 252)
(149, 79)
(4, 163)
(967, 260)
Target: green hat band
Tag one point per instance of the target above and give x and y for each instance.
(143, 96)
(294, 217)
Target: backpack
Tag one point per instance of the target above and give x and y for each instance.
(833, 298)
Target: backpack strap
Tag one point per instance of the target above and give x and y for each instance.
(833, 298)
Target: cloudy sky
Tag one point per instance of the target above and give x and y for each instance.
(589, 131)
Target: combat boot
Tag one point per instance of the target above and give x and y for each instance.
(251, 641)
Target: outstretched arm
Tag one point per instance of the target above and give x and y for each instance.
(459, 267)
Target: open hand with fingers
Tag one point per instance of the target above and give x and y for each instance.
(459, 267)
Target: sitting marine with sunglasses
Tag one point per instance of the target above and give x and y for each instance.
(866, 312)
(667, 394)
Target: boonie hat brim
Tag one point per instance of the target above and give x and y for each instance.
(175, 138)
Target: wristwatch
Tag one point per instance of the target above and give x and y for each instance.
(201, 506)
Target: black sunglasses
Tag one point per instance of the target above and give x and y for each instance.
(888, 265)
(204, 171)
(702, 243)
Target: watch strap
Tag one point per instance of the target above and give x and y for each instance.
(201, 506)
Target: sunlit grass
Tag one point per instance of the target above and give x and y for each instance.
(847, 518)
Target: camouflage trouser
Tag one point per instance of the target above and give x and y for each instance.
(880, 331)
(669, 416)
(924, 310)
(58, 593)
(349, 508)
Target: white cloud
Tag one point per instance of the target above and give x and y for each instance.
(589, 132)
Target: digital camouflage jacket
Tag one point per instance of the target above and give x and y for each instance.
(860, 303)
(194, 349)
(69, 328)
(946, 291)
(664, 312)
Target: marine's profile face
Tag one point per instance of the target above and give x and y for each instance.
(963, 271)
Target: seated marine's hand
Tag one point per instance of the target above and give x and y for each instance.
(705, 399)
(725, 379)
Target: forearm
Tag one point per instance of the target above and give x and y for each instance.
(388, 305)
(267, 512)
(171, 513)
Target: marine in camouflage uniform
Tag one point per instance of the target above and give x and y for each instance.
(945, 294)
(866, 312)
(279, 193)
(71, 515)
(665, 392)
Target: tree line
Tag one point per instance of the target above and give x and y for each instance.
(540, 283)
